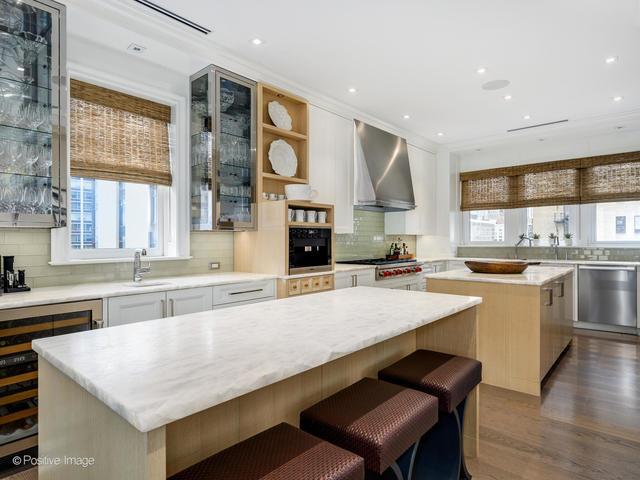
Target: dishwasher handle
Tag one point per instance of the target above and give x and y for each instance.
(611, 268)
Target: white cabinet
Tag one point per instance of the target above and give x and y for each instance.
(249, 292)
(421, 220)
(191, 300)
(355, 278)
(151, 306)
(136, 308)
(331, 164)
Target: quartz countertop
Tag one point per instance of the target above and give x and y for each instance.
(534, 275)
(91, 291)
(156, 372)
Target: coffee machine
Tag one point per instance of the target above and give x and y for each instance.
(12, 281)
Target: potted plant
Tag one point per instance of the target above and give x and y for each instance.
(536, 239)
(568, 239)
(552, 238)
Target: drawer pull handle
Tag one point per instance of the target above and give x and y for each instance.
(247, 291)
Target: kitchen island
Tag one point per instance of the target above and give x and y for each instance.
(147, 400)
(525, 321)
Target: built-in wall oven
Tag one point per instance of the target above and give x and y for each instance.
(310, 250)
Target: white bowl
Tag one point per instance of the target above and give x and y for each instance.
(296, 191)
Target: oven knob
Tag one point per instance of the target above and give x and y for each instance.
(407, 270)
(386, 274)
(398, 271)
(418, 269)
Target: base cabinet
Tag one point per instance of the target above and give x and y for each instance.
(152, 306)
(192, 300)
(136, 308)
(302, 286)
(356, 278)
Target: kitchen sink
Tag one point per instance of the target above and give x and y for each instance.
(146, 283)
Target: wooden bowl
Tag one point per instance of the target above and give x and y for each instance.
(506, 267)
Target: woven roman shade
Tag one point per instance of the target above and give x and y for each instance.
(605, 178)
(611, 178)
(115, 136)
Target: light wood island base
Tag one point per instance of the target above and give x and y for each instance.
(74, 423)
(522, 329)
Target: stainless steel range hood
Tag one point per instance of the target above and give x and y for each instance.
(382, 173)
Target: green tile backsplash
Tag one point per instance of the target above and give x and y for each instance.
(548, 253)
(368, 239)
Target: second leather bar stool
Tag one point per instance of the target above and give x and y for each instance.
(450, 378)
(378, 421)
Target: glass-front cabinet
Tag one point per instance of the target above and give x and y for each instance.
(32, 113)
(223, 151)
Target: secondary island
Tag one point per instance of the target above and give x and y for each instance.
(149, 399)
(525, 321)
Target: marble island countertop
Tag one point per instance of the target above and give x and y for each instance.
(156, 372)
(534, 275)
(91, 291)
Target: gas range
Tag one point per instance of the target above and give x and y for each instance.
(389, 269)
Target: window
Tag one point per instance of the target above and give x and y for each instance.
(121, 173)
(487, 226)
(129, 185)
(114, 215)
(611, 221)
(546, 220)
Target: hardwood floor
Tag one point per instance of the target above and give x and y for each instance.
(585, 426)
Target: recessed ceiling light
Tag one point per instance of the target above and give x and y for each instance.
(20, 69)
(527, 117)
(406, 117)
(257, 41)
(611, 60)
(440, 134)
(481, 70)
(618, 98)
(352, 90)
(508, 97)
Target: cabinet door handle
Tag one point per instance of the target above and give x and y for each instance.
(171, 307)
(550, 292)
(355, 279)
(164, 308)
(561, 288)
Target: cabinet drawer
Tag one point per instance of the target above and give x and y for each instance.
(316, 284)
(306, 285)
(327, 282)
(136, 308)
(293, 287)
(241, 292)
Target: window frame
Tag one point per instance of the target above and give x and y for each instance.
(515, 223)
(589, 216)
(173, 202)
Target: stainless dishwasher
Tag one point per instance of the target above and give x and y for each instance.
(608, 295)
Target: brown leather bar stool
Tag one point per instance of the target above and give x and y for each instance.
(280, 453)
(450, 378)
(378, 421)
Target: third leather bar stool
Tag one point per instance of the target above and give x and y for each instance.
(450, 378)
(378, 421)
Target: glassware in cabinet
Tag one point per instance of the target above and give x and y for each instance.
(223, 130)
(32, 110)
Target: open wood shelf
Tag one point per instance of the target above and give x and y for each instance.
(310, 225)
(297, 138)
(283, 133)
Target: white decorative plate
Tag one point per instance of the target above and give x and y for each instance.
(283, 158)
(279, 115)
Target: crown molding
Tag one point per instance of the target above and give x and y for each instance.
(148, 23)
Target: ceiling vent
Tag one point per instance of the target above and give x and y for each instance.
(538, 125)
(174, 16)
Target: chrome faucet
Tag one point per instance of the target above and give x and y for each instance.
(523, 237)
(138, 269)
